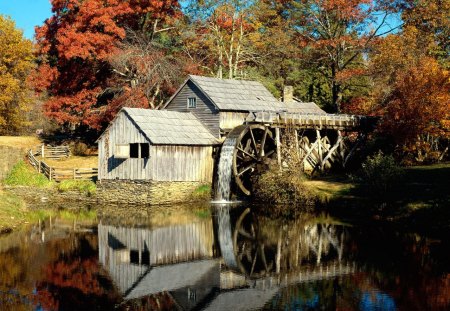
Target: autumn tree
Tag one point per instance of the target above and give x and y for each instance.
(335, 35)
(75, 47)
(16, 62)
(221, 35)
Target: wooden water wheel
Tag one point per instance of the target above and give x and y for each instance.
(254, 143)
(250, 252)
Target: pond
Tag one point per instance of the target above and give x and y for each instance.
(221, 258)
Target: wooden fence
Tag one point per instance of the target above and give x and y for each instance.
(59, 174)
(51, 152)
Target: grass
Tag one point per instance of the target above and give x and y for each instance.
(81, 215)
(26, 142)
(85, 186)
(202, 192)
(14, 212)
(73, 162)
(24, 175)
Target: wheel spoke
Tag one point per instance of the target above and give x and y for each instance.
(253, 140)
(246, 169)
(246, 153)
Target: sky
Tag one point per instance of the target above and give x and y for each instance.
(26, 13)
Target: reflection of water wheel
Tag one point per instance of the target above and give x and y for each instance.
(254, 143)
(249, 248)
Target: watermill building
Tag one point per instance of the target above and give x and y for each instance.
(162, 156)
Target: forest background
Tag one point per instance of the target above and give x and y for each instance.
(92, 57)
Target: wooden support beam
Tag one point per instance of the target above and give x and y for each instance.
(331, 151)
(277, 140)
(319, 148)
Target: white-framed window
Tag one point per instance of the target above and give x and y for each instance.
(192, 102)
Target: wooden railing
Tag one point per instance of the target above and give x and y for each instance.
(59, 174)
(51, 152)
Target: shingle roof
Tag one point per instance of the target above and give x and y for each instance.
(303, 108)
(237, 95)
(163, 127)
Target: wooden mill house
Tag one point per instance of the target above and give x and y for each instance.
(162, 156)
(149, 156)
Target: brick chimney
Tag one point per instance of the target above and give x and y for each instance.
(288, 93)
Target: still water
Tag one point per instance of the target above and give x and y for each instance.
(221, 258)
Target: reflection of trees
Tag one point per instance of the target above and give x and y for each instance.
(73, 279)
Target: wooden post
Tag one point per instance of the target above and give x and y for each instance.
(277, 138)
(42, 151)
(319, 148)
(39, 166)
(50, 173)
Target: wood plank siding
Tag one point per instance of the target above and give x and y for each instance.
(166, 162)
(230, 119)
(205, 111)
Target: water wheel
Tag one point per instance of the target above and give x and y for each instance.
(254, 143)
(249, 249)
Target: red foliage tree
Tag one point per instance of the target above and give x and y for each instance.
(74, 49)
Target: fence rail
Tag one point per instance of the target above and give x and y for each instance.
(51, 152)
(59, 174)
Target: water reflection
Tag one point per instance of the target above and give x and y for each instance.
(222, 258)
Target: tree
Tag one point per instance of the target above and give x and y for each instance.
(16, 62)
(221, 36)
(75, 47)
(417, 112)
(335, 34)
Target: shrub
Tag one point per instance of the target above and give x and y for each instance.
(80, 149)
(24, 175)
(379, 173)
(283, 187)
(86, 186)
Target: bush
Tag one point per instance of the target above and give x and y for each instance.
(86, 186)
(379, 173)
(283, 187)
(24, 175)
(80, 149)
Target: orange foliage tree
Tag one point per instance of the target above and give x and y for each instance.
(74, 49)
(417, 112)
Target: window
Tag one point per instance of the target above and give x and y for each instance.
(122, 151)
(192, 102)
(145, 150)
(135, 150)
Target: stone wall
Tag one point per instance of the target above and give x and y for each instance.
(8, 157)
(149, 192)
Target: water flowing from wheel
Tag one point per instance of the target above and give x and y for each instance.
(224, 170)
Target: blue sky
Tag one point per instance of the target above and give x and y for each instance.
(26, 13)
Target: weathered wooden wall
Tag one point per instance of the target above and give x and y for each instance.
(206, 112)
(231, 119)
(166, 163)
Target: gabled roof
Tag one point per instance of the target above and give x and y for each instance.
(163, 127)
(234, 95)
(244, 95)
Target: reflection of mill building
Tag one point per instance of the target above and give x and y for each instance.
(216, 264)
(149, 156)
(144, 261)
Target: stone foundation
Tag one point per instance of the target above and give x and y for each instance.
(149, 192)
